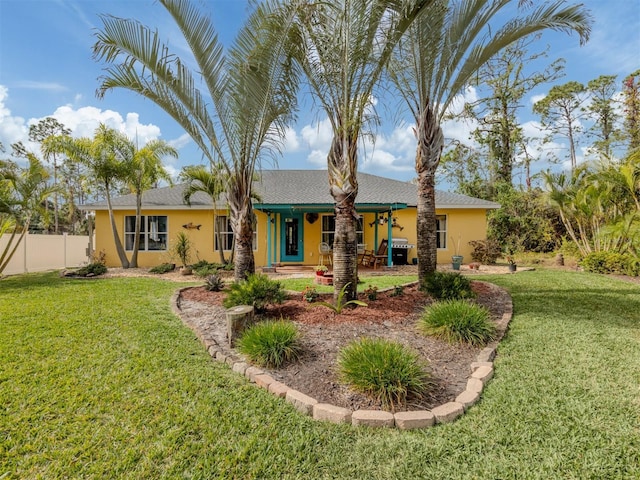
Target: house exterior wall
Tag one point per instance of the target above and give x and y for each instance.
(465, 224)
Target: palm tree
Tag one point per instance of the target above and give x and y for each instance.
(103, 156)
(23, 193)
(145, 170)
(210, 181)
(344, 48)
(435, 62)
(247, 98)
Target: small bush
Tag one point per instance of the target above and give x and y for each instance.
(163, 268)
(310, 294)
(204, 269)
(93, 269)
(458, 321)
(214, 283)
(448, 286)
(398, 291)
(611, 262)
(257, 290)
(271, 344)
(371, 292)
(384, 370)
(485, 251)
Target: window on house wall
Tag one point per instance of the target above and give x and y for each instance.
(153, 232)
(441, 231)
(222, 224)
(329, 229)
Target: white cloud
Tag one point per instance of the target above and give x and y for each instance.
(47, 86)
(291, 141)
(82, 121)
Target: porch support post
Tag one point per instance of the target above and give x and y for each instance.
(389, 234)
(269, 239)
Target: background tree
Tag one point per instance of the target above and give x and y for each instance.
(561, 112)
(506, 82)
(436, 61)
(602, 109)
(23, 193)
(240, 114)
(103, 156)
(344, 48)
(47, 127)
(631, 99)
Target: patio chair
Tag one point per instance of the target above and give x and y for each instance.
(366, 257)
(380, 258)
(325, 252)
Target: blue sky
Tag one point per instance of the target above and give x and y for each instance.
(46, 69)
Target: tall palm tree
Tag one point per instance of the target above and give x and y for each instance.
(23, 193)
(145, 170)
(103, 156)
(344, 48)
(434, 63)
(211, 182)
(247, 95)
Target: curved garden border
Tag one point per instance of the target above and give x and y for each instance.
(481, 373)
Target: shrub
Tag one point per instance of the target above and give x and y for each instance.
(214, 283)
(611, 262)
(257, 290)
(398, 291)
(92, 269)
(271, 343)
(384, 370)
(163, 268)
(310, 294)
(458, 321)
(204, 269)
(448, 285)
(371, 292)
(485, 251)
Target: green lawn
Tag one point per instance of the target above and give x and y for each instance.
(99, 380)
(380, 281)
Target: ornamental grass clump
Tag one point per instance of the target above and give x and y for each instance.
(384, 370)
(271, 343)
(448, 286)
(458, 321)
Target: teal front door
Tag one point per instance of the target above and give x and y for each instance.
(291, 234)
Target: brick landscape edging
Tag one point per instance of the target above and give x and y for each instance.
(481, 372)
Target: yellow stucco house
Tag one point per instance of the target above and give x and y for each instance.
(294, 216)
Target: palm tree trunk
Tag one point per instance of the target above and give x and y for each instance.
(430, 145)
(344, 189)
(136, 240)
(116, 238)
(242, 223)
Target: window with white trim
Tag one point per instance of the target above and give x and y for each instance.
(153, 232)
(441, 231)
(222, 224)
(329, 229)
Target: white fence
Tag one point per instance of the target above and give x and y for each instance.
(38, 253)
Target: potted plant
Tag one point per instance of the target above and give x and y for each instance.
(182, 249)
(456, 258)
(321, 270)
(511, 260)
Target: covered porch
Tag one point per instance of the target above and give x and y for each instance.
(298, 235)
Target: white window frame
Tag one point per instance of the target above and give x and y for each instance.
(328, 236)
(227, 234)
(441, 233)
(146, 237)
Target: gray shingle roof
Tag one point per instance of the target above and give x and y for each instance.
(300, 187)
